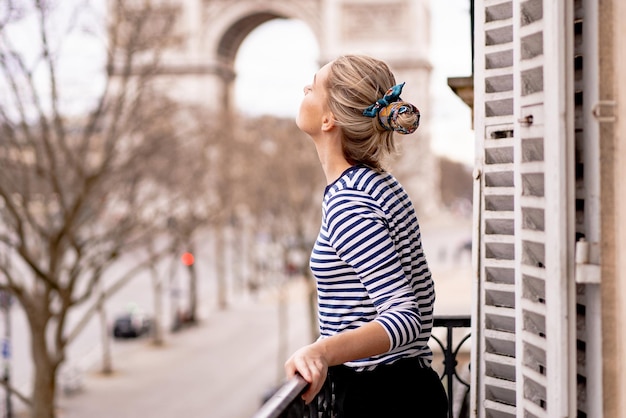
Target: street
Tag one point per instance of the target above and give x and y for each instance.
(221, 369)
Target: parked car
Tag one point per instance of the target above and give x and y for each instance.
(131, 325)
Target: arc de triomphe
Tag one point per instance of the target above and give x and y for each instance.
(397, 31)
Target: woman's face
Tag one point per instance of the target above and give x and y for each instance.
(314, 106)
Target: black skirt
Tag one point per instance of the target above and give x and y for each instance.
(403, 389)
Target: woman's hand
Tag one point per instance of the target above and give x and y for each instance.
(311, 363)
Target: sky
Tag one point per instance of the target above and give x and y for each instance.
(280, 57)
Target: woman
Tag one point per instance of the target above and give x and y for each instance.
(375, 291)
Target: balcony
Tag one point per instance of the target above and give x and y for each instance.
(285, 403)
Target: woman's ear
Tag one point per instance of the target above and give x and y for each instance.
(328, 122)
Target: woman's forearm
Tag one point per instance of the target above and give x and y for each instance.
(368, 340)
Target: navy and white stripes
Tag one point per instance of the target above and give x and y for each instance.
(369, 265)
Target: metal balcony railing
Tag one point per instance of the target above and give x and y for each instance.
(283, 399)
(450, 362)
(286, 403)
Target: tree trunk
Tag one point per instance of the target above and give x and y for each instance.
(174, 292)
(157, 325)
(44, 385)
(107, 358)
(193, 293)
(283, 326)
(220, 264)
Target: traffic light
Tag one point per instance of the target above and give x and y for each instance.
(187, 259)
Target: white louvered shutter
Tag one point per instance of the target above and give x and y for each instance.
(494, 371)
(525, 350)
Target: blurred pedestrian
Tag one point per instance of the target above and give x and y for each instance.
(375, 290)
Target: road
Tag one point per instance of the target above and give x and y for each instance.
(220, 369)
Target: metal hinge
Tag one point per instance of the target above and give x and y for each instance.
(608, 115)
(587, 271)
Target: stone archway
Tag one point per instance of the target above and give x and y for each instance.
(396, 31)
(238, 21)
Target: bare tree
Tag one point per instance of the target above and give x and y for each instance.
(284, 187)
(193, 202)
(77, 189)
(281, 188)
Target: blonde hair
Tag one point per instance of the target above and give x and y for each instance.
(355, 82)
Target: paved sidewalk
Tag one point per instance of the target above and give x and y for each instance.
(220, 369)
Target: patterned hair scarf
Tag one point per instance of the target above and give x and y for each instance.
(389, 108)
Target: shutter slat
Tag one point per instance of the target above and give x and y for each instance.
(499, 215)
(505, 360)
(499, 191)
(534, 339)
(532, 63)
(499, 168)
(499, 97)
(501, 28)
(498, 119)
(534, 271)
(499, 335)
(499, 72)
(499, 239)
(500, 367)
(534, 411)
(531, 28)
(503, 312)
(532, 167)
(534, 236)
(536, 377)
(533, 201)
(499, 410)
(498, 143)
(501, 389)
(536, 308)
(500, 287)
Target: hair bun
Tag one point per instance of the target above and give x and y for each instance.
(401, 117)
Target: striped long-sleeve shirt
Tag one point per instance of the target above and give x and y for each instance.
(370, 266)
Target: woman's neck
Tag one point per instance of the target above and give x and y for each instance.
(334, 171)
(332, 159)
